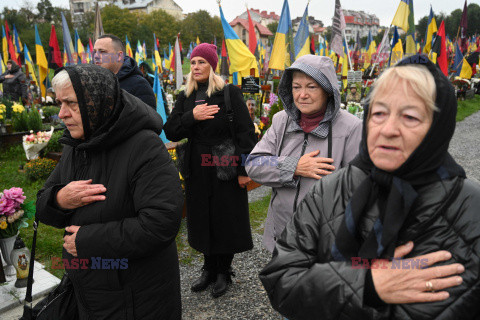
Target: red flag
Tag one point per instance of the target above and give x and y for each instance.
(55, 55)
(90, 44)
(224, 69)
(440, 49)
(11, 48)
(158, 43)
(252, 38)
(312, 45)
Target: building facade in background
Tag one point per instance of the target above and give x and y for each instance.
(359, 22)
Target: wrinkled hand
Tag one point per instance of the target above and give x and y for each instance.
(408, 285)
(69, 241)
(311, 167)
(243, 181)
(204, 112)
(77, 194)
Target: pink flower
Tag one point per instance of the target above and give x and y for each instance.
(7, 206)
(15, 194)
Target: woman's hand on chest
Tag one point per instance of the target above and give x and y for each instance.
(205, 112)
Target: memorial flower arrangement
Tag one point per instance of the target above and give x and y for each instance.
(355, 108)
(3, 111)
(33, 143)
(14, 212)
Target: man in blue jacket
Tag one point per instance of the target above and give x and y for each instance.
(109, 52)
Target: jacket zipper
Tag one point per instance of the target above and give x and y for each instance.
(305, 143)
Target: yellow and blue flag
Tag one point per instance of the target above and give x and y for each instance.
(4, 45)
(397, 48)
(29, 63)
(168, 62)
(404, 19)
(157, 60)
(17, 43)
(157, 89)
(67, 42)
(41, 62)
(279, 49)
(431, 32)
(301, 41)
(128, 48)
(79, 49)
(241, 59)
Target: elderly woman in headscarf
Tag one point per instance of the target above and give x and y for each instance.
(396, 234)
(117, 194)
(310, 139)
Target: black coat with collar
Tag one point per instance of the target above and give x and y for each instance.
(138, 221)
(132, 81)
(217, 210)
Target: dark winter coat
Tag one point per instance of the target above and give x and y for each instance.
(132, 80)
(138, 220)
(16, 87)
(304, 282)
(217, 210)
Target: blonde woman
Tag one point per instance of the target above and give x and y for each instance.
(217, 203)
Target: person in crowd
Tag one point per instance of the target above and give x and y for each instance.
(109, 52)
(252, 107)
(217, 204)
(395, 234)
(117, 193)
(308, 140)
(353, 95)
(14, 82)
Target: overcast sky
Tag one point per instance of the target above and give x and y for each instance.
(319, 9)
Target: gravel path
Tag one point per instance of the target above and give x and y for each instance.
(246, 298)
(465, 146)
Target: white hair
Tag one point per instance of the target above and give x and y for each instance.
(61, 80)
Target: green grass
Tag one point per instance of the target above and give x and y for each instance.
(468, 107)
(50, 240)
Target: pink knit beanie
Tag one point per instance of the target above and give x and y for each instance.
(208, 52)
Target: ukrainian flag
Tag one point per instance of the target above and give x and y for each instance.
(29, 63)
(458, 61)
(405, 20)
(4, 45)
(241, 59)
(157, 60)
(17, 43)
(168, 62)
(431, 31)
(79, 49)
(41, 62)
(128, 47)
(300, 42)
(345, 64)
(67, 41)
(371, 48)
(397, 48)
(279, 50)
(198, 41)
(157, 89)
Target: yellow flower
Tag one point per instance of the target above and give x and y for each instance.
(3, 225)
(18, 108)
(1, 117)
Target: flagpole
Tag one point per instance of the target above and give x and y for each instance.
(348, 53)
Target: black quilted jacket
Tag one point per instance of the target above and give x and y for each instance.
(304, 282)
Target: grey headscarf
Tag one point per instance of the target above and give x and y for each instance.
(321, 69)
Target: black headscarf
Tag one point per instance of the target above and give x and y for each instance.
(396, 191)
(98, 95)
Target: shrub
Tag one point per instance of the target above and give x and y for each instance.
(50, 111)
(20, 121)
(34, 120)
(53, 144)
(39, 168)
